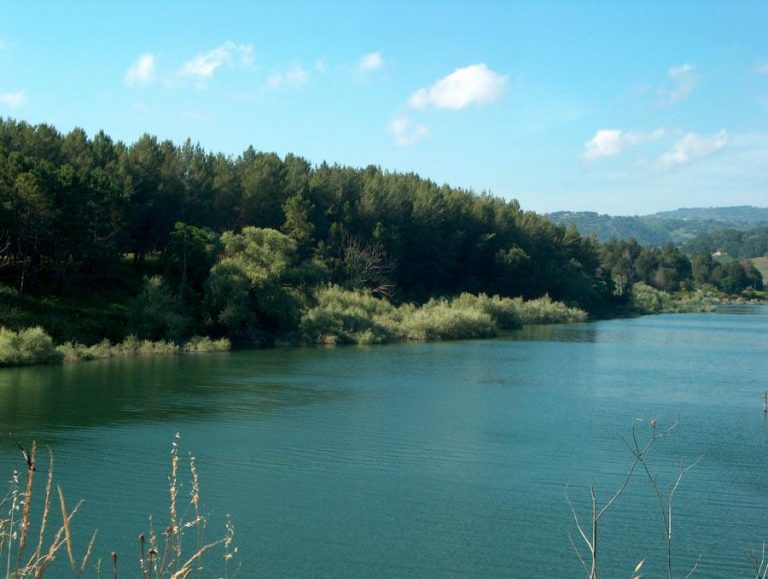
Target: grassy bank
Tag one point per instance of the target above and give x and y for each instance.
(354, 317)
(337, 316)
(35, 346)
(649, 300)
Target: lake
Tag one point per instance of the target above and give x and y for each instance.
(423, 460)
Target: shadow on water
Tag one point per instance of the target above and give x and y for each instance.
(50, 399)
(556, 333)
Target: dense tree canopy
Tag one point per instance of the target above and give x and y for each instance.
(237, 240)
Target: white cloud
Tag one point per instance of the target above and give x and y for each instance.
(13, 100)
(205, 64)
(294, 77)
(142, 71)
(474, 84)
(407, 132)
(684, 80)
(321, 66)
(759, 69)
(370, 62)
(692, 147)
(611, 142)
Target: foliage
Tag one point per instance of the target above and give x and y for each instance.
(132, 346)
(505, 312)
(726, 274)
(545, 311)
(734, 242)
(157, 313)
(342, 316)
(648, 299)
(349, 317)
(690, 227)
(178, 241)
(28, 346)
(445, 320)
(247, 289)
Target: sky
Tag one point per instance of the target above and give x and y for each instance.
(616, 107)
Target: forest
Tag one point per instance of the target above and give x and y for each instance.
(158, 241)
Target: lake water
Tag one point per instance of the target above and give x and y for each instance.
(423, 460)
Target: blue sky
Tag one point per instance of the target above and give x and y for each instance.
(616, 107)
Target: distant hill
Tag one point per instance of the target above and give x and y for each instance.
(745, 214)
(678, 226)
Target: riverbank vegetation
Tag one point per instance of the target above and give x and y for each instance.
(150, 244)
(355, 317)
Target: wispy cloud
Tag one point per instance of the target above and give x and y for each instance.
(691, 147)
(683, 80)
(406, 131)
(759, 69)
(321, 66)
(206, 63)
(294, 77)
(474, 84)
(612, 142)
(370, 62)
(13, 100)
(141, 72)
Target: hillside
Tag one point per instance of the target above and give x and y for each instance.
(678, 226)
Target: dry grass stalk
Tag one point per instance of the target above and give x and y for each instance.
(67, 531)
(27, 500)
(171, 566)
(174, 489)
(46, 506)
(14, 494)
(87, 553)
(58, 541)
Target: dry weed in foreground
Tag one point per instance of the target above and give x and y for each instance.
(640, 451)
(155, 562)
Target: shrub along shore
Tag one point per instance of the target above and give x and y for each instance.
(35, 346)
(339, 316)
(150, 244)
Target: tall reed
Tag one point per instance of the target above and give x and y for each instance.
(169, 561)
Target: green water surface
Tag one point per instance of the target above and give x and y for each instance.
(423, 460)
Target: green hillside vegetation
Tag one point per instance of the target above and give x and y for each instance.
(733, 242)
(115, 249)
(761, 264)
(744, 214)
(679, 227)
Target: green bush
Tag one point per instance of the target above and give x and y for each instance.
(545, 311)
(505, 312)
(199, 344)
(343, 316)
(28, 346)
(132, 346)
(349, 317)
(443, 320)
(648, 299)
(157, 312)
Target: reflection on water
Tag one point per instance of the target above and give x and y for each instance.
(153, 389)
(431, 460)
(556, 333)
(743, 309)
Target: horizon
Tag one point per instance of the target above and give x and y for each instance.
(618, 109)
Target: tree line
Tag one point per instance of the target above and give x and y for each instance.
(235, 244)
